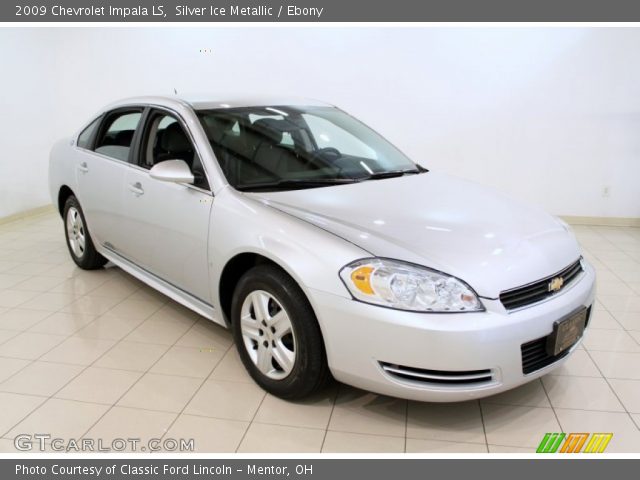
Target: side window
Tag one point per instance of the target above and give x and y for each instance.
(165, 139)
(117, 135)
(84, 139)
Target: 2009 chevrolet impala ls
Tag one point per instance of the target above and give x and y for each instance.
(325, 249)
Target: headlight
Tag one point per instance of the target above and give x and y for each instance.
(404, 286)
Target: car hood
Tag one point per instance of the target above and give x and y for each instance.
(485, 238)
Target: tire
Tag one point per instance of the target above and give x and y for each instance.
(79, 242)
(271, 366)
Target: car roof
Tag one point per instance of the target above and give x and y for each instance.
(207, 102)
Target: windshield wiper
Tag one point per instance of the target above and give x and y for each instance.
(394, 173)
(299, 183)
(295, 184)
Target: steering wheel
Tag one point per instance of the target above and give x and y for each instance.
(327, 155)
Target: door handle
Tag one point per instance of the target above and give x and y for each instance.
(136, 188)
(83, 167)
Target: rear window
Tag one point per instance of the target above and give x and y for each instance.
(117, 136)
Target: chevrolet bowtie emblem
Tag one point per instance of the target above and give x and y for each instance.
(555, 284)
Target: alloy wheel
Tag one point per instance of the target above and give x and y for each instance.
(76, 232)
(268, 334)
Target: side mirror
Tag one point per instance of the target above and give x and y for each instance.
(175, 171)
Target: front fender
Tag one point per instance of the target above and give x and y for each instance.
(312, 256)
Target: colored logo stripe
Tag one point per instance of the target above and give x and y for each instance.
(598, 442)
(550, 442)
(574, 442)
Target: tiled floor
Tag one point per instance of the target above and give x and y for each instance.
(98, 354)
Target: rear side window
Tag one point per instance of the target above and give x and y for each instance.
(117, 135)
(84, 139)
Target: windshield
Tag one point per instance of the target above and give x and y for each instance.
(284, 147)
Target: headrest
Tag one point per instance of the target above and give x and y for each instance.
(217, 126)
(174, 139)
(123, 138)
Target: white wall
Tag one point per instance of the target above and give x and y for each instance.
(28, 90)
(551, 116)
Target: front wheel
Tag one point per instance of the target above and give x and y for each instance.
(277, 334)
(79, 241)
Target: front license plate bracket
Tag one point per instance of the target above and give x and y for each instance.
(566, 332)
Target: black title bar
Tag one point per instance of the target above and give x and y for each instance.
(319, 11)
(314, 469)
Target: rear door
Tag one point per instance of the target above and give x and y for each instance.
(101, 169)
(167, 224)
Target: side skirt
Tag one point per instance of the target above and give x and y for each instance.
(184, 298)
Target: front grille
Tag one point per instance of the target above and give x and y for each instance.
(437, 376)
(535, 356)
(538, 291)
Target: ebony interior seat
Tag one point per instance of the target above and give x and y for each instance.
(270, 153)
(175, 145)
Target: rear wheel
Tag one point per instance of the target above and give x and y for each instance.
(277, 334)
(79, 241)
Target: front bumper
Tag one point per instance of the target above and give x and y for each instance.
(361, 338)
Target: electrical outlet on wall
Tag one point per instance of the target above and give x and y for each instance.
(606, 191)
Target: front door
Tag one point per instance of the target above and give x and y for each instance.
(167, 224)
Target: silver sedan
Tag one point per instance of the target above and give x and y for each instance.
(326, 250)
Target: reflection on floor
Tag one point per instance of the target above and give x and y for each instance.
(100, 355)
